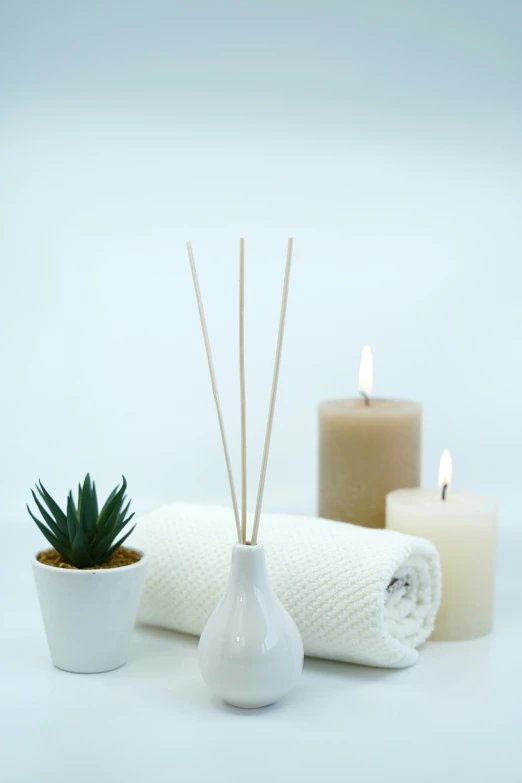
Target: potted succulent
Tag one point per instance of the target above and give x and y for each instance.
(88, 584)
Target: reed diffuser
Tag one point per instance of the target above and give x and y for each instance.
(250, 652)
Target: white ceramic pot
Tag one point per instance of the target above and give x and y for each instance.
(89, 615)
(250, 651)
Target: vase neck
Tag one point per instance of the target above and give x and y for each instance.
(248, 566)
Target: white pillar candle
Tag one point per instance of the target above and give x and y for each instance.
(463, 527)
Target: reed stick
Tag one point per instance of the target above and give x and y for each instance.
(275, 378)
(242, 389)
(214, 388)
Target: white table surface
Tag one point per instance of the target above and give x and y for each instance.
(455, 716)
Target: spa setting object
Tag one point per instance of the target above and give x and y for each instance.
(88, 584)
(357, 595)
(250, 652)
(367, 448)
(463, 527)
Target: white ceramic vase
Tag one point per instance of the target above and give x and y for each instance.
(250, 651)
(89, 615)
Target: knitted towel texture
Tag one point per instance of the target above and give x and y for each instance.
(358, 595)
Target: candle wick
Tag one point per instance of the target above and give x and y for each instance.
(444, 490)
(365, 397)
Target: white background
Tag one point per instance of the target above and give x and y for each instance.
(386, 140)
(387, 144)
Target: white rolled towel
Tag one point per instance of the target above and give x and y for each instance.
(358, 595)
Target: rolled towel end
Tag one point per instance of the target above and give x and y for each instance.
(412, 600)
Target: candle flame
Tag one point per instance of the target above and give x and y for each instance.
(366, 372)
(445, 469)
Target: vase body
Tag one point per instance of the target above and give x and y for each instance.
(89, 615)
(250, 651)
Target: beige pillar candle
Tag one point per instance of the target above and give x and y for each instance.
(463, 528)
(367, 448)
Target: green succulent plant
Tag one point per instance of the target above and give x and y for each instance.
(80, 534)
